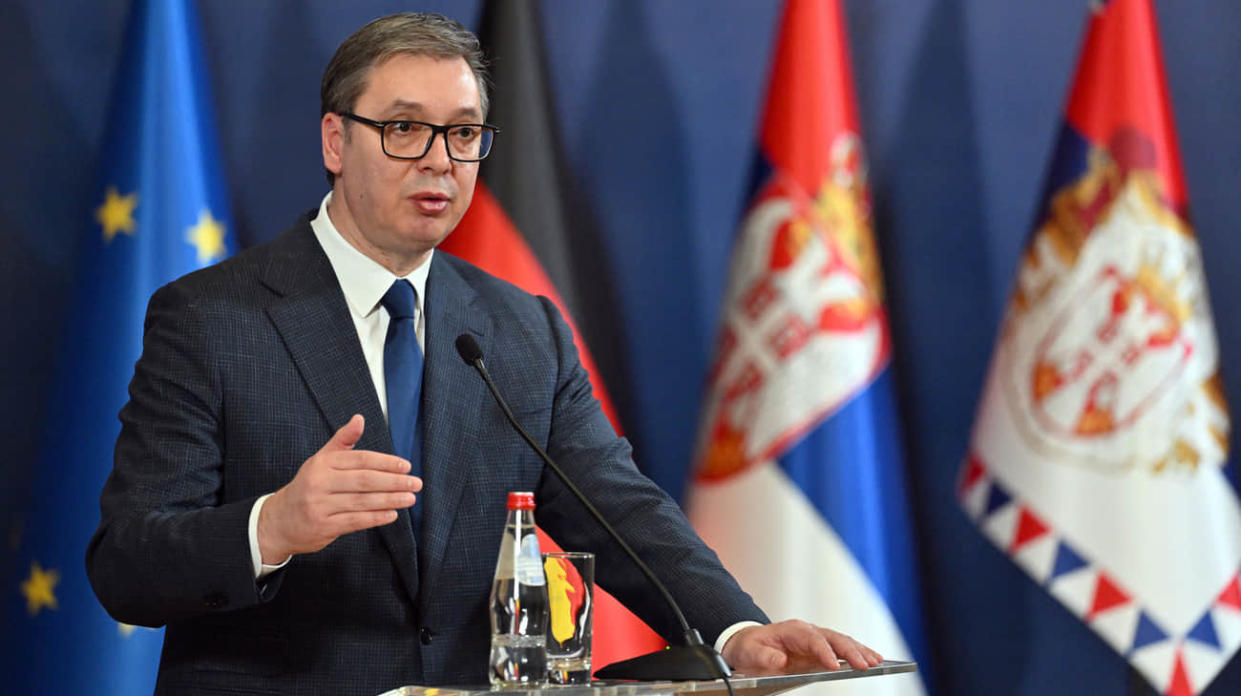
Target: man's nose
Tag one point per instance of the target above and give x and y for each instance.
(437, 158)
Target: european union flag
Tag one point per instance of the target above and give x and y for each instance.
(161, 212)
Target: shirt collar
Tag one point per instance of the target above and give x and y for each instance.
(362, 279)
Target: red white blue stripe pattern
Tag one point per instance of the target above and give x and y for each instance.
(799, 481)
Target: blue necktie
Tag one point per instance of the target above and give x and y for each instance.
(403, 380)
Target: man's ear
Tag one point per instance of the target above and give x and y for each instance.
(332, 132)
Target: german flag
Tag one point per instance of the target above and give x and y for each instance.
(524, 226)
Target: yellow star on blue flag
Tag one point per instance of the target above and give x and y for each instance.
(40, 589)
(116, 215)
(207, 236)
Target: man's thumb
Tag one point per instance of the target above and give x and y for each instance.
(348, 435)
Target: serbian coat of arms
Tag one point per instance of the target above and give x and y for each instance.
(803, 326)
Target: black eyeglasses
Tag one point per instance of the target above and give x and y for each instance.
(411, 140)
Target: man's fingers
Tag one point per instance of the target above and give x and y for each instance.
(347, 436)
(806, 644)
(366, 481)
(823, 651)
(362, 502)
(853, 656)
(857, 655)
(356, 521)
(365, 459)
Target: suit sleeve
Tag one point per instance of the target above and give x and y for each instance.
(167, 547)
(600, 463)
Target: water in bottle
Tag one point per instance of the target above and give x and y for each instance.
(519, 602)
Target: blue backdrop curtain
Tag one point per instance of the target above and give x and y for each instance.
(960, 102)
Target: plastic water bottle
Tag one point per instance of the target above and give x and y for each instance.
(519, 602)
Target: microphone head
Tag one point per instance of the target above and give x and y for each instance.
(468, 349)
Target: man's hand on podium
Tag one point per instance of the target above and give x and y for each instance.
(795, 646)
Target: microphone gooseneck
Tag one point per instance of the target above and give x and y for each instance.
(695, 660)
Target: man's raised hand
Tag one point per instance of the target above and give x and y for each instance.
(337, 491)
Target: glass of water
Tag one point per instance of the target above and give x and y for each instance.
(570, 595)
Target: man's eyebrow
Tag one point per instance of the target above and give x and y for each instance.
(405, 105)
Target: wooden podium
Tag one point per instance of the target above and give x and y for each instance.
(743, 685)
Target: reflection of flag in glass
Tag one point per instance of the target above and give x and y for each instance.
(1099, 450)
(161, 213)
(521, 227)
(799, 483)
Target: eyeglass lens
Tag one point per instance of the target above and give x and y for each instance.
(412, 139)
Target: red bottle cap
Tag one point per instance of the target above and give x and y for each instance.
(521, 500)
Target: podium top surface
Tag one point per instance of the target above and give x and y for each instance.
(743, 685)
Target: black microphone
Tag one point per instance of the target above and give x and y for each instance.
(693, 661)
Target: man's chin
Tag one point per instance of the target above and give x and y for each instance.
(425, 239)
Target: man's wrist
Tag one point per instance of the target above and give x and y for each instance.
(731, 631)
(261, 569)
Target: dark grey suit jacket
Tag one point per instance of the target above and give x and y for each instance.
(247, 369)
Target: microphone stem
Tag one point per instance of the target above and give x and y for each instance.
(691, 636)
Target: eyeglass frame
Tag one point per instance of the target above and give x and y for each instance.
(382, 126)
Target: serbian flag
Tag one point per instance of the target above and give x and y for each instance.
(799, 478)
(1099, 458)
(519, 228)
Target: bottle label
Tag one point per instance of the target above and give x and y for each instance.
(530, 562)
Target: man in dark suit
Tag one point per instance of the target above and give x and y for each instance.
(258, 506)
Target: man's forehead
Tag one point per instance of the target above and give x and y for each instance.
(417, 82)
(405, 106)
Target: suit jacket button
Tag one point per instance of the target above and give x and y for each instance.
(426, 635)
(215, 600)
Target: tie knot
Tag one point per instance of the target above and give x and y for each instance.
(399, 300)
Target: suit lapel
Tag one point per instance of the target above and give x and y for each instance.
(313, 319)
(452, 395)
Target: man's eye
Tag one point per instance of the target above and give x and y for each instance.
(406, 128)
(465, 132)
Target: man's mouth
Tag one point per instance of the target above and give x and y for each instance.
(430, 203)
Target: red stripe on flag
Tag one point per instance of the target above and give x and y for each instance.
(1121, 84)
(487, 238)
(799, 124)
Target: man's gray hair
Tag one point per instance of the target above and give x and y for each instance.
(419, 34)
